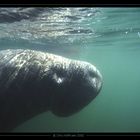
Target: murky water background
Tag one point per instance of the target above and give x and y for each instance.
(106, 37)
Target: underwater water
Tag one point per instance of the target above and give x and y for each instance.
(109, 38)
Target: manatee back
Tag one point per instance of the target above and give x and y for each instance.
(21, 86)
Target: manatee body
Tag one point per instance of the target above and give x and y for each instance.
(32, 82)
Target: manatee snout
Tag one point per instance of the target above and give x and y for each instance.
(77, 84)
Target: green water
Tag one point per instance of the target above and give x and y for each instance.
(114, 48)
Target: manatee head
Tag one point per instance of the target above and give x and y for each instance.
(32, 82)
(77, 83)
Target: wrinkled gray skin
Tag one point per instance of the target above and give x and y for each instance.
(32, 82)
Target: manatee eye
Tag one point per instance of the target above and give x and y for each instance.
(59, 76)
(58, 79)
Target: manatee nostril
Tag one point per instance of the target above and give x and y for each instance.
(92, 74)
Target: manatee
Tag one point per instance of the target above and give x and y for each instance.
(33, 82)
